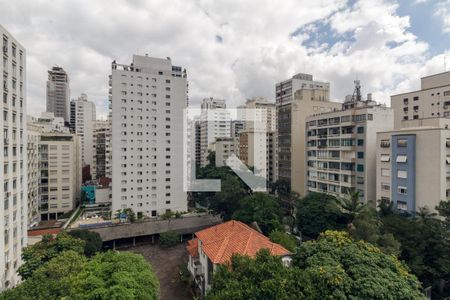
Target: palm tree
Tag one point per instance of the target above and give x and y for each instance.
(350, 205)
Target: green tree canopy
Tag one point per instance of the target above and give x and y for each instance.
(38, 254)
(286, 240)
(318, 212)
(261, 208)
(92, 239)
(108, 275)
(333, 267)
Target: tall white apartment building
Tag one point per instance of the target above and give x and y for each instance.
(148, 99)
(341, 148)
(58, 93)
(13, 177)
(296, 99)
(431, 101)
(33, 141)
(413, 164)
(82, 121)
(215, 122)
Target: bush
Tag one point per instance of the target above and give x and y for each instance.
(93, 240)
(286, 240)
(169, 239)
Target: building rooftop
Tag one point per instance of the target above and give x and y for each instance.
(220, 242)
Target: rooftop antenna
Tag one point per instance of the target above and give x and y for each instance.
(357, 92)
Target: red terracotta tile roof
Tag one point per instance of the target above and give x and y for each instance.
(192, 247)
(220, 242)
(43, 231)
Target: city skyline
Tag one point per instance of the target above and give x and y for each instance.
(380, 51)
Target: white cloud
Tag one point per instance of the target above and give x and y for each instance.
(256, 51)
(443, 11)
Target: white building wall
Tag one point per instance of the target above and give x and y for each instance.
(85, 118)
(13, 177)
(148, 99)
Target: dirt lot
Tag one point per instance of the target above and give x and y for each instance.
(165, 262)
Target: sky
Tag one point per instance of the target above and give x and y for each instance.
(234, 49)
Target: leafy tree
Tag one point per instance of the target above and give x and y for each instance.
(211, 158)
(444, 211)
(109, 275)
(131, 215)
(333, 267)
(367, 227)
(169, 239)
(264, 277)
(425, 246)
(286, 240)
(318, 212)
(261, 208)
(340, 268)
(350, 205)
(92, 239)
(38, 254)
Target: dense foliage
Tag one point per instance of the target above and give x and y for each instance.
(92, 239)
(109, 275)
(169, 239)
(317, 213)
(261, 208)
(333, 267)
(286, 240)
(40, 253)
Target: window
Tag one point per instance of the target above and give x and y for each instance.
(402, 174)
(385, 158)
(360, 155)
(385, 144)
(402, 205)
(385, 172)
(360, 168)
(360, 142)
(401, 158)
(360, 129)
(385, 186)
(402, 143)
(402, 190)
(448, 160)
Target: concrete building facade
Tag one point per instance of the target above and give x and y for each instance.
(296, 99)
(58, 93)
(341, 149)
(431, 101)
(215, 122)
(413, 164)
(148, 99)
(82, 122)
(224, 147)
(13, 177)
(101, 146)
(33, 138)
(60, 174)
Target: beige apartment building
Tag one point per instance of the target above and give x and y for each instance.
(413, 164)
(296, 99)
(33, 141)
(224, 147)
(60, 174)
(341, 148)
(431, 101)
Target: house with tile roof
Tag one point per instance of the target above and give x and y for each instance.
(216, 245)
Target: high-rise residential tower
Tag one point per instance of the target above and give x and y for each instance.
(148, 99)
(58, 93)
(215, 123)
(82, 122)
(341, 148)
(296, 99)
(102, 134)
(13, 177)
